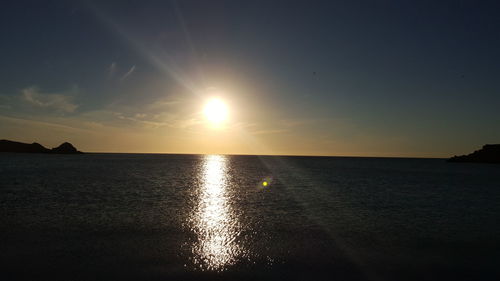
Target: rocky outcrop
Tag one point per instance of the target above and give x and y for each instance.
(65, 148)
(490, 153)
(14, 146)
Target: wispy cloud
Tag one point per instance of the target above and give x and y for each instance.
(297, 122)
(43, 123)
(59, 102)
(131, 70)
(112, 69)
(163, 112)
(163, 103)
(155, 121)
(267, 132)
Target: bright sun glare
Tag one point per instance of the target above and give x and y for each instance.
(216, 111)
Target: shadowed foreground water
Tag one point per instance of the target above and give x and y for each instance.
(196, 217)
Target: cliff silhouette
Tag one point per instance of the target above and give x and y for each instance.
(490, 153)
(20, 147)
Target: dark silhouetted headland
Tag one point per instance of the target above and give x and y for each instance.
(65, 148)
(14, 146)
(490, 153)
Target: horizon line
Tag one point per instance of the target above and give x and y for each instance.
(278, 155)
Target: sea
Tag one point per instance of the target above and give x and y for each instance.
(228, 217)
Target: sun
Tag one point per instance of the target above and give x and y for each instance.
(216, 111)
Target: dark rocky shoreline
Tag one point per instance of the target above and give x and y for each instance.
(20, 147)
(490, 153)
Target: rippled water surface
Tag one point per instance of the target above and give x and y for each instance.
(207, 217)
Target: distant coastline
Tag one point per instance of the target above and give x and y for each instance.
(20, 147)
(490, 153)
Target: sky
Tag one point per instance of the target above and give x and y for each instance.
(340, 78)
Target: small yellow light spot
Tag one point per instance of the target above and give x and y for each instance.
(264, 183)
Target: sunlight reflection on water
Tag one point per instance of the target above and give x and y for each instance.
(214, 221)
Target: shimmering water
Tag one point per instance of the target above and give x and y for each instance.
(196, 217)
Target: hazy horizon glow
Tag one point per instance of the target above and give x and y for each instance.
(413, 79)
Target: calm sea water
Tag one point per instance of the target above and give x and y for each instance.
(208, 217)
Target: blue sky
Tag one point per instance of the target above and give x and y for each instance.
(365, 78)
